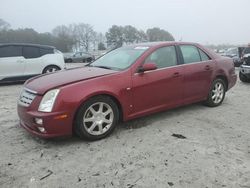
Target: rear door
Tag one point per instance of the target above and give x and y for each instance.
(198, 68)
(160, 88)
(11, 62)
(33, 62)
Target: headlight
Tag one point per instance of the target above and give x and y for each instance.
(48, 100)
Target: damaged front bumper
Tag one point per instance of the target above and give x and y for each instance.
(245, 69)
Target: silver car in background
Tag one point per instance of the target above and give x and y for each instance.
(79, 57)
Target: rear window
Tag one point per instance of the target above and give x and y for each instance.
(190, 54)
(10, 51)
(31, 52)
(44, 51)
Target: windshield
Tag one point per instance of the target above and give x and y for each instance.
(247, 50)
(120, 58)
(57, 51)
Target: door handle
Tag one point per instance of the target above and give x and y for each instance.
(207, 67)
(176, 74)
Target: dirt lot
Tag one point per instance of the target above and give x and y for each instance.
(140, 153)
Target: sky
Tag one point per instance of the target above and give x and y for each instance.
(202, 21)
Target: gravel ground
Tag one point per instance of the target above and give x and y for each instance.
(140, 153)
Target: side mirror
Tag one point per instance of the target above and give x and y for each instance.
(147, 67)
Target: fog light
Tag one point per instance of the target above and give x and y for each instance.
(41, 129)
(39, 121)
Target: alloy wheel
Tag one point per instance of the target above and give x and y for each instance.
(218, 93)
(53, 69)
(98, 118)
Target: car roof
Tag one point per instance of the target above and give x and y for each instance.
(166, 43)
(26, 44)
(160, 43)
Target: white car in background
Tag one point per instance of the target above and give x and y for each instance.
(18, 62)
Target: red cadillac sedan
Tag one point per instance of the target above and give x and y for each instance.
(126, 83)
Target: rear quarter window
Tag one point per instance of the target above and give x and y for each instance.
(44, 51)
(204, 56)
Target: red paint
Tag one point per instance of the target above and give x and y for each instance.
(138, 94)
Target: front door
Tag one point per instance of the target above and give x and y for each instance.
(160, 88)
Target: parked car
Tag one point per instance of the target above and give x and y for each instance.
(18, 62)
(235, 54)
(124, 84)
(79, 57)
(222, 52)
(244, 73)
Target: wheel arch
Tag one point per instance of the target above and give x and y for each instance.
(107, 94)
(224, 78)
(51, 65)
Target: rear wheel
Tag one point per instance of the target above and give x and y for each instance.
(50, 69)
(96, 118)
(217, 93)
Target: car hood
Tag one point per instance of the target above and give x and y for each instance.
(43, 83)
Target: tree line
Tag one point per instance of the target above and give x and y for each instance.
(74, 37)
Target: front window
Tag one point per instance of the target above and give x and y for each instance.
(57, 51)
(163, 57)
(120, 58)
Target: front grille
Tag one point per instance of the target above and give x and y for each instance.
(247, 60)
(26, 98)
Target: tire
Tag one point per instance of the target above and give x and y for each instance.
(89, 60)
(69, 60)
(243, 78)
(217, 93)
(96, 118)
(51, 68)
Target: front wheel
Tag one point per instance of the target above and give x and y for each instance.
(50, 69)
(243, 78)
(96, 118)
(217, 93)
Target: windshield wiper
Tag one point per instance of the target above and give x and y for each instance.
(100, 66)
